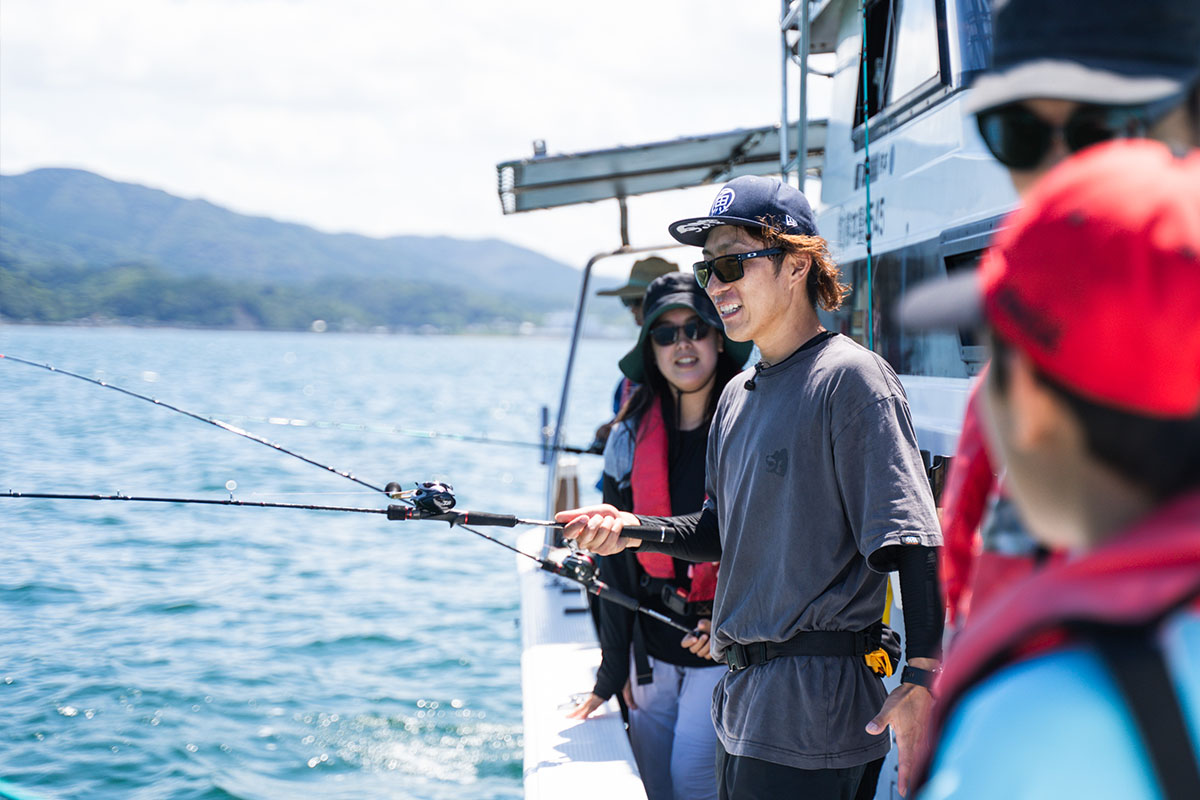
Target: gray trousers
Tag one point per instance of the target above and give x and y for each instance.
(672, 732)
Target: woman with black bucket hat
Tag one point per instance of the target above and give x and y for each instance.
(654, 464)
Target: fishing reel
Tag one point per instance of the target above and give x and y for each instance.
(579, 566)
(430, 497)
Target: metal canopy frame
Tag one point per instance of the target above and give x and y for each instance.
(560, 180)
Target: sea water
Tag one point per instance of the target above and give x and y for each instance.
(187, 651)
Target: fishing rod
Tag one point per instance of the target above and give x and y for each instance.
(412, 432)
(434, 501)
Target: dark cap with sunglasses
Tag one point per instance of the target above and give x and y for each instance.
(751, 201)
(1105, 52)
(668, 292)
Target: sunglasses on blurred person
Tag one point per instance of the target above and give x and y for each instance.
(1020, 139)
(667, 335)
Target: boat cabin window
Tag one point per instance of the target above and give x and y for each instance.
(975, 37)
(971, 346)
(904, 54)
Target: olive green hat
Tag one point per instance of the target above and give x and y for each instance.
(640, 276)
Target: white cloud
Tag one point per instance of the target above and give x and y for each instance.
(379, 117)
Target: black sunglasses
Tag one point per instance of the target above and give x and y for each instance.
(728, 268)
(694, 329)
(1020, 139)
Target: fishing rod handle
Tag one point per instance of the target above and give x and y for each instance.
(604, 591)
(455, 517)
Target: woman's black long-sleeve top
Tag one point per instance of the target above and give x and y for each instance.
(622, 571)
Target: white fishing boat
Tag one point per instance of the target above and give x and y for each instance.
(905, 165)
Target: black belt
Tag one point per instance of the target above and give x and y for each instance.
(805, 643)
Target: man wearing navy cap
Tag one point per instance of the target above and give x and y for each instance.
(816, 489)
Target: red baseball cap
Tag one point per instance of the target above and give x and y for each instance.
(1096, 278)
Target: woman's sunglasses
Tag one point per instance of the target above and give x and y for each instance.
(694, 329)
(1020, 139)
(728, 268)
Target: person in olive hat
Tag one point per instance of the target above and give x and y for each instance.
(654, 463)
(640, 276)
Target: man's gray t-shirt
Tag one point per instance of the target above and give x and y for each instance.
(810, 474)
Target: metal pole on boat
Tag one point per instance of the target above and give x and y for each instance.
(576, 334)
(802, 132)
(784, 156)
(790, 10)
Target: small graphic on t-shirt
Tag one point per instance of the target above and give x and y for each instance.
(777, 462)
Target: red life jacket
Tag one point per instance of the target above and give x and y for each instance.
(650, 482)
(964, 499)
(971, 574)
(1137, 579)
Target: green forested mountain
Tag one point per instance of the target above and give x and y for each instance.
(75, 245)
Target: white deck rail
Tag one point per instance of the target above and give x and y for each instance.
(566, 758)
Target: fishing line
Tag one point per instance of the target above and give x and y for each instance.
(215, 422)
(194, 500)
(411, 432)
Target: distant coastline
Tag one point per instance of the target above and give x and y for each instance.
(77, 248)
(143, 295)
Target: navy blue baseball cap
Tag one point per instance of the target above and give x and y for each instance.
(751, 202)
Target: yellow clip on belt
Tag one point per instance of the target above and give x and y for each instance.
(880, 663)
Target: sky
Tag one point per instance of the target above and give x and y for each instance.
(383, 117)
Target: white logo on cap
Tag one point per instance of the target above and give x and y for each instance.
(722, 203)
(791, 223)
(697, 226)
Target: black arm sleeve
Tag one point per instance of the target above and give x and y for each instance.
(697, 537)
(922, 596)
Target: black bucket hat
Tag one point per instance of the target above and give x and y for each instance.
(671, 291)
(1110, 52)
